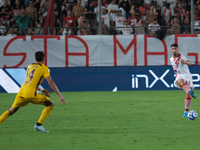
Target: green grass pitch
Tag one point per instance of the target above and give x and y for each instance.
(139, 120)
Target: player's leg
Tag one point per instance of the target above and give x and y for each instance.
(187, 104)
(181, 83)
(43, 100)
(8, 113)
(46, 112)
(18, 102)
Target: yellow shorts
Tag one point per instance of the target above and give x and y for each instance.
(21, 101)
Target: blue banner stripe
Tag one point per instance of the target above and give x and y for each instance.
(18, 74)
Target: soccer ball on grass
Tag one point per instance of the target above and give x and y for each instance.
(192, 115)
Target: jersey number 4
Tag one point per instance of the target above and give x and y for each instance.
(30, 75)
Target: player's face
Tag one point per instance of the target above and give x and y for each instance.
(174, 50)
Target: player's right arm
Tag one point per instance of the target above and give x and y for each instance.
(187, 62)
(55, 89)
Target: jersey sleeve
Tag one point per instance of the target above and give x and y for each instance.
(46, 72)
(183, 57)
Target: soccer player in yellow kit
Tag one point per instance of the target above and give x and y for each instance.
(36, 73)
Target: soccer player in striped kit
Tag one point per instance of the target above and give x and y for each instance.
(183, 76)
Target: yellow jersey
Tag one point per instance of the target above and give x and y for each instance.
(35, 75)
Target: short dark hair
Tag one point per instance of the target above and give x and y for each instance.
(39, 56)
(174, 45)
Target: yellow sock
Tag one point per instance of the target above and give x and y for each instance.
(4, 116)
(45, 113)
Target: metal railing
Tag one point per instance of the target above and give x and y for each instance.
(167, 30)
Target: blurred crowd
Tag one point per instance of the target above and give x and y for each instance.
(81, 17)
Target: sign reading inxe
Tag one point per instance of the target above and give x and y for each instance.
(101, 78)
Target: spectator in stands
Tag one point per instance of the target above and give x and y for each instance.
(133, 18)
(187, 20)
(38, 30)
(197, 2)
(2, 28)
(133, 8)
(172, 18)
(57, 24)
(59, 4)
(81, 18)
(160, 4)
(175, 26)
(84, 28)
(72, 3)
(113, 10)
(186, 30)
(45, 4)
(127, 28)
(167, 13)
(104, 3)
(106, 16)
(84, 24)
(153, 27)
(119, 22)
(153, 7)
(105, 29)
(17, 9)
(188, 5)
(30, 32)
(5, 13)
(56, 10)
(196, 31)
(89, 13)
(126, 5)
(182, 12)
(36, 4)
(172, 3)
(150, 17)
(143, 11)
(96, 11)
(43, 11)
(196, 21)
(31, 11)
(84, 3)
(70, 19)
(77, 9)
(66, 30)
(11, 32)
(65, 9)
(139, 27)
(40, 19)
(123, 11)
(23, 21)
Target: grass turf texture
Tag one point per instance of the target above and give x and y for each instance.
(104, 121)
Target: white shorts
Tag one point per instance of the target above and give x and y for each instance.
(187, 78)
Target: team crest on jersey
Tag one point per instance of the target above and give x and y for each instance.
(175, 67)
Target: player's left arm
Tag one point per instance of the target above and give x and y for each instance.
(44, 91)
(187, 62)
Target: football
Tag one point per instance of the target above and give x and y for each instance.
(192, 115)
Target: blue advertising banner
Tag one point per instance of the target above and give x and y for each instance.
(101, 78)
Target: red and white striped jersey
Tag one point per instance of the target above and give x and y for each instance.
(179, 68)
